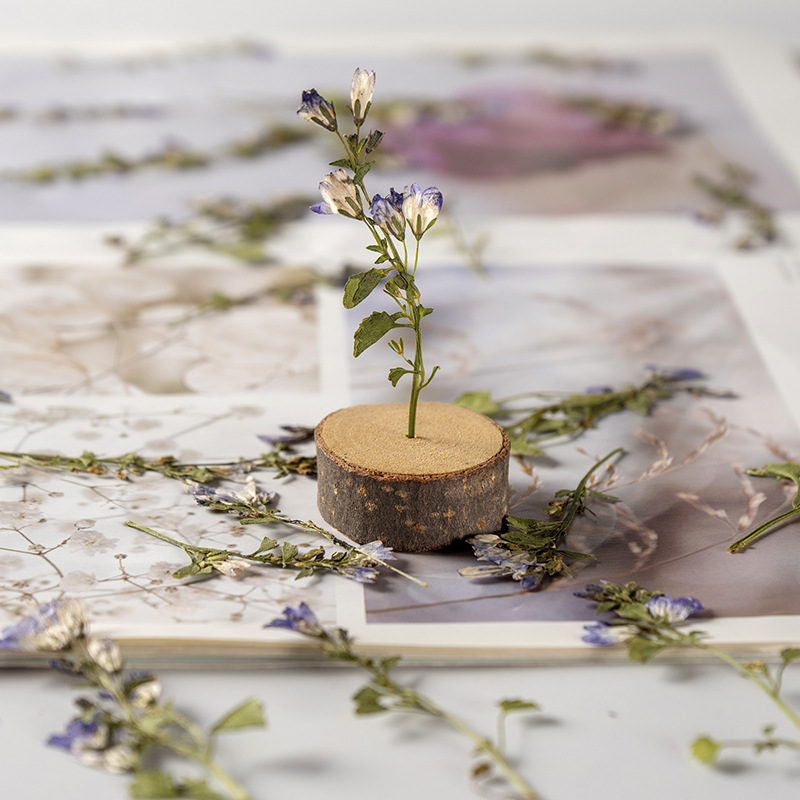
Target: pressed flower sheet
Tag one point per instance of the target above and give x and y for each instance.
(683, 493)
(511, 133)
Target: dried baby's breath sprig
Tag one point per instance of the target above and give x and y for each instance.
(788, 471)
(225, 225)
(171, 157)
(124, 723)
(529, 550)
(649, 622)
(730, 191)
(383, 693)
(575, 413)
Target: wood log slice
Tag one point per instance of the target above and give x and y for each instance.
(449, 482)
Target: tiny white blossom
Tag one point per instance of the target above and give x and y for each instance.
(361, 90)
(232, 568)
(145, 694)
(119, 759)
(105, 653)
(89, 757)
(58, 626)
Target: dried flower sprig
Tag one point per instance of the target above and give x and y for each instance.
(206, 562)
(120, 726)
(573, 62)
(225, 225)
(383, 693)
(731, 192)
(648, 622)
(575, 413)
(386, 218)
(159, 57)
(529, 550)
(788, 471)
(172, 157)
(628, 114)
(249, 504)
(357, 562)
(63, 114)
(132, 464)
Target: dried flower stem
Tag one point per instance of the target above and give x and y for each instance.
(383, 693)
(647, 622)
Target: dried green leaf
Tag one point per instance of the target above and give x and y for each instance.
(507, 706)
(481, 402)
(790, 654)
(643, 650)
(367, 701)
(397, 372)
(153, 783)
(360, 286)
(371, 330)
(249, 714)
(186, 572)
(788, 471)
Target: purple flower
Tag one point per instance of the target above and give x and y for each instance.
(250, 495)
(53, 626)
(79, 732)
(421, 208)
(519, 565)
(301, 620)
(387, 212)
(676, 373)
(599, 390)
(360, 574)
(598, 634)
(671, 610)
(339, 196)
(377, 550)
(315, 108)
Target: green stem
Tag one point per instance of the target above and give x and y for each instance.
(199, 751)
(275, 517)
(419, 369)
(425, 704)
(331, 537)
(790, 713)
(746, 540)
(164, 538)
(776, 742)
(416, 379)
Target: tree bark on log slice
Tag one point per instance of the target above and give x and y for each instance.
(449, 482)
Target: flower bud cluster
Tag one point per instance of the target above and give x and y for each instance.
(342, 193)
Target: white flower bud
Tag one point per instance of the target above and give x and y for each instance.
(361, 90)
(145, 694)
(105, 653)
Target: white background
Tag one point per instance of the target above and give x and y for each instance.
(37, 20)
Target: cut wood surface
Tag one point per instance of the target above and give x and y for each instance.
(449, 482)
